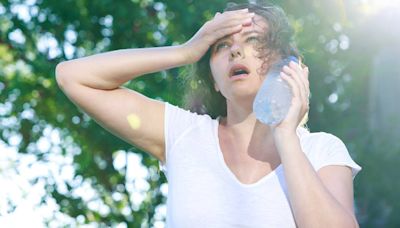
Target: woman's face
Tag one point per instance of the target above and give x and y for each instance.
(234, 64)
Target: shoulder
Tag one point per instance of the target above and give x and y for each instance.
(320, 145)
(318, 139)
(172, 110)
(179, 122)
(323, 149)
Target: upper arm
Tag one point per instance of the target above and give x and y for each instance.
(127, 114)
(339, 181)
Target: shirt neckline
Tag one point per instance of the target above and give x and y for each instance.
(229, 171)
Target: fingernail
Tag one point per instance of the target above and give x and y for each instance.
(248, 20)
(244, 10)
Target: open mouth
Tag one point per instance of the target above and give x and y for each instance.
(238, 70)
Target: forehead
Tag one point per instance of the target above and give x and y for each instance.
(259, 24)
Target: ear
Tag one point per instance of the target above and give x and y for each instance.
(216, 87)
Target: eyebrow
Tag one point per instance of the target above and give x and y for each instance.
(249, 32)
(243, 34)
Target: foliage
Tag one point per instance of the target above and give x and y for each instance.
(31, 103)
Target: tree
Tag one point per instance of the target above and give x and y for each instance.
(36, 35)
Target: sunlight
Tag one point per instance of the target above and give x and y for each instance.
(371, 7)
(134, 121)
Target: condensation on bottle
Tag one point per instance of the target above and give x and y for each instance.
(274, 97)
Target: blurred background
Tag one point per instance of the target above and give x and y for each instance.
(59, 168)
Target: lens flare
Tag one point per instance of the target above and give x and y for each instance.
(134, 121)
(373, 6)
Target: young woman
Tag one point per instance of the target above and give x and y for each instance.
(230, 171)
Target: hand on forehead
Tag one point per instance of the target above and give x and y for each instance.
(259, 23)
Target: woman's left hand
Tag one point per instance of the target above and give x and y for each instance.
(297, 78)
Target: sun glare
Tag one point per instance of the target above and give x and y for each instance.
(370, 7)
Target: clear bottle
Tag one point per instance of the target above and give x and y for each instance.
(274, 97)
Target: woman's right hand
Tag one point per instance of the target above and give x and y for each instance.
(221, 25)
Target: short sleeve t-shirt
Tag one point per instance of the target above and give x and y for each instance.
(203, 192)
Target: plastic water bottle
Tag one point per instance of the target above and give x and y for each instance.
(274, 97)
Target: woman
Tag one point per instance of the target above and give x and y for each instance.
(232, 171)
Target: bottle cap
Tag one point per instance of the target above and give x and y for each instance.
(292, 58)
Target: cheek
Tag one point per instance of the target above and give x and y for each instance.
(216, 69)
(260, 66)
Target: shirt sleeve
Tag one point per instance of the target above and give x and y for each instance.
(334, 152)
(177, 122)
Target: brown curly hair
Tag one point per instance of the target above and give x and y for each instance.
(199, 93)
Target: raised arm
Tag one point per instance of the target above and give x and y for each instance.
(94, 83)
(110, 70)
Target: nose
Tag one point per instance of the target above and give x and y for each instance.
(236, 52)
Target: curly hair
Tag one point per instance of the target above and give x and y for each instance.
(199, 93)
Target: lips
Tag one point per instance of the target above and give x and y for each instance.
(238, 70)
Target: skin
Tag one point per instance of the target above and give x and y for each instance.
(251, 149)
(238, 49)
(249, 144)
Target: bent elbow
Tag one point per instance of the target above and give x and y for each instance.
(64, 73)
(61, 73)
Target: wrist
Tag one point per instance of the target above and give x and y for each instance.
(187, 54)
(285, 138)
(281, 133)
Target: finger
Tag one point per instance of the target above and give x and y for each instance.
(306, 72)
(248, 22)
(295, 66)
(229, 30)
(296, 78)
(230, 16)
(223, 32)
(237, 16)
(297, 99)
(245, 10)
(306, 75)
(215, 27)
(303, 92)
(227, 24)
(302, 77)
(236, 21)
(293, 85)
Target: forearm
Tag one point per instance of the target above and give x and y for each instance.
(312, 203)
(109, 70)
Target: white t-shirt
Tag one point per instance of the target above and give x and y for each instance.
(202, 190)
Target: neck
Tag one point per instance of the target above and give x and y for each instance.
(242, 124)
(249, 136)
